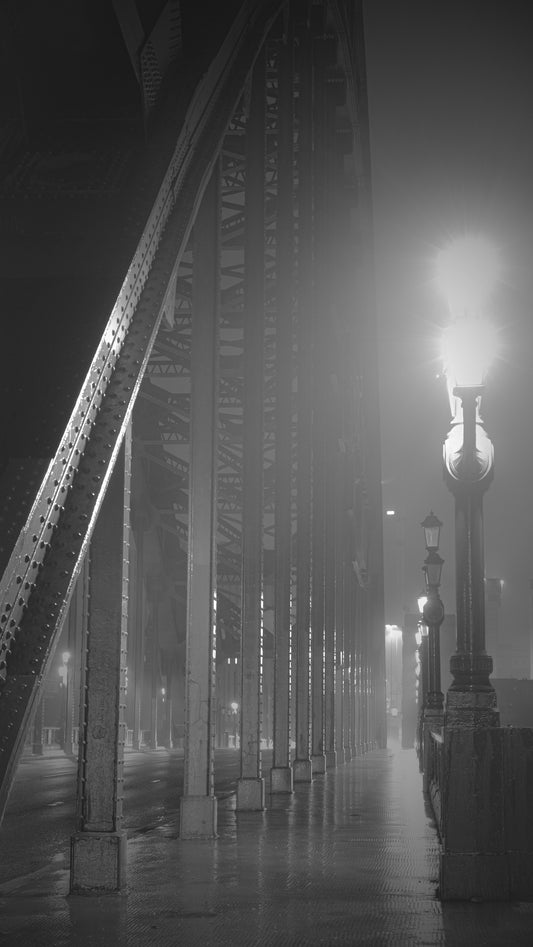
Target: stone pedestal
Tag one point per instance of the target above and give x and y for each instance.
(487, 819)
(331, 759)
(302, 771)
(198, 817)
(281, 779)
(467, 710)
(251, 794)
(318, 763)
(97, 862)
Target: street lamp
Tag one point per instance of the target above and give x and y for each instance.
(467, 271)
(422, 673)
(433, 613)
(234, 710)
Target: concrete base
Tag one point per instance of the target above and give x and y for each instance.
(198, 817)
(331, 759)
(302, 771)
(467, 877)
(251, 794)
(341, 758)
(97, 862)
(281, 779)
(318, 763)
(347, 754)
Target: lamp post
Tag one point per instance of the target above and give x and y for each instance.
(467, 271)
(423, 675)
(433, 612)
(235, 711)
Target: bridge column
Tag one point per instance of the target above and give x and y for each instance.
(250, 786)
(281, 772)
(329, 609)
(302, 769)
(317, 312)
(98, 849)
(339, 591)
(198, 808)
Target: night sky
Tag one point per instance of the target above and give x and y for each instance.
(451, 108)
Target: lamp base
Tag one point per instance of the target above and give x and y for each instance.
(471, 710)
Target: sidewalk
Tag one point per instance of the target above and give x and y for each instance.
(350, 859)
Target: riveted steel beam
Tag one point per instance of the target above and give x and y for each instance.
(39, 578)
(250, 786)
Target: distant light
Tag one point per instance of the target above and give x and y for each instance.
(393, 632)
(466, 272)
(391, 512)
(421, 601)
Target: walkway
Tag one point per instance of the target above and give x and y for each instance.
(350, 859)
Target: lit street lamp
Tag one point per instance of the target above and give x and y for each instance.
(235, 712)
(467, 271)
(423, 672)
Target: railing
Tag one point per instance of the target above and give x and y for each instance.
(433, 769)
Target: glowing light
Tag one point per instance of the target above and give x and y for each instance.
(393, 632)
(467, 271)
(390, 512)
(468, 348)
(421, 602)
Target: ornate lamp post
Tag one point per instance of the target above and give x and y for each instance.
(422, 672)
(433, 613)
(467, 272)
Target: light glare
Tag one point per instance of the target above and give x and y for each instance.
(469, 346)
(466, 272)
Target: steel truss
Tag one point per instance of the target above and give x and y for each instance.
(320, 504)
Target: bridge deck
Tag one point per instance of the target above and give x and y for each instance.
(350, 859)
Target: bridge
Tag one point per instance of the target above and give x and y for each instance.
(191, 491)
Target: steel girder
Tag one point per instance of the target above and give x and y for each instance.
(38, 581)
(39, 578)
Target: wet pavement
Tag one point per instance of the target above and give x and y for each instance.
(350, 859)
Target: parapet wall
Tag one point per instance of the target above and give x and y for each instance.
(487, 814)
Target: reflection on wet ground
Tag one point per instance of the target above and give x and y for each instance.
(351, 858)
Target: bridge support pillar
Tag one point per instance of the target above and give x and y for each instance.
(250, 786)
(98, 849)
(281, 772)
(198, 808)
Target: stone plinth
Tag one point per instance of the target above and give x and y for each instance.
(281, 779)
(487, 817)
(470, 710)
(97, 862)
(198, 817)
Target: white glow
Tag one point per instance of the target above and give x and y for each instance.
(466, 272)
(391, 512)
(234, 706)
(421, 602)
(469, 346)
(393, 632)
